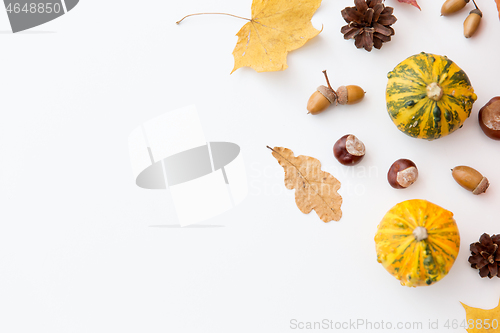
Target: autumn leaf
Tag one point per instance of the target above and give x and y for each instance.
(276, 28)
(414, 3)
(498, 7)
(482, 321)
(314, 188)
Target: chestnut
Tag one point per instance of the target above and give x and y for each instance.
(349, 150)
(402, 173)
(489, 118)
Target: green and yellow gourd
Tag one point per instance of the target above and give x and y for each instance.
(428, 96)
(417, 242)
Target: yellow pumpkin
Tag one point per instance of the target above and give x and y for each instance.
(428, 96)
(417, 242)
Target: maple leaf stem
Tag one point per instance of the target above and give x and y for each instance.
(243, 18)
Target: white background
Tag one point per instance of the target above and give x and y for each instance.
(82, 249)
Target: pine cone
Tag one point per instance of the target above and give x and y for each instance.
(486, 256)
(369, 23)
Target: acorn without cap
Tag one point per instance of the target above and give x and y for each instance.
(324, 96)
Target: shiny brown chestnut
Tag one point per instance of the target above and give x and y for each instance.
(489, 118)
(402, 173)
(349, 150)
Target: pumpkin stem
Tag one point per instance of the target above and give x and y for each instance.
(420, 233)
(434, 91)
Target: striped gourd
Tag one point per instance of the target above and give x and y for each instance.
(417, 242)
(428, 96)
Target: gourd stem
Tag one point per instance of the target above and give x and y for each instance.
(434, 91)
(420, 233)
(327, 81)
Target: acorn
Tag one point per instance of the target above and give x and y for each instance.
(470, 179)
(472, 22)
(350, 94)
(452, 6)
(325, 96)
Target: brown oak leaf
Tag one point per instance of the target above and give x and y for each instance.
(314, 188)
(414, 3)
(482, 321)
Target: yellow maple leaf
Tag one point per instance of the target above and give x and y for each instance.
(482, 321)
(314, 188)
(276, 28)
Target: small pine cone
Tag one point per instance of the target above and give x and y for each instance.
(486, 256)
(368, 23)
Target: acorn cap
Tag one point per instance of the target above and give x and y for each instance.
(476, 11)
(328, 93)
(482, 186)
(342, 95)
